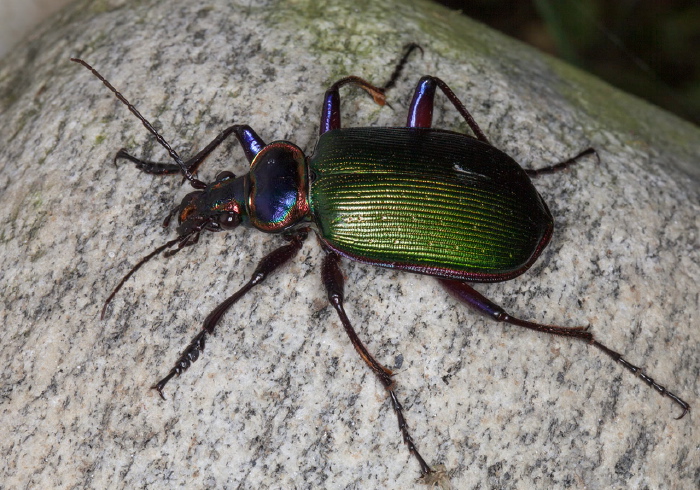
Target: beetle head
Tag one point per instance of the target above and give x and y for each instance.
(217, 207)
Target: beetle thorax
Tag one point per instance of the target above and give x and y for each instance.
(277, 188)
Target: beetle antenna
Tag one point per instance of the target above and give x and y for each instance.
(171, 243)
(196, 183)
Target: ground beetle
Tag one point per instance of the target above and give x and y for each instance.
(415, 198)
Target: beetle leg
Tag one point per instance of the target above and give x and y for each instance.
(249, 140)
(330, 113)
(420, 113)
(333, 281)
(550, 169)
(267, 265)
(471, 297)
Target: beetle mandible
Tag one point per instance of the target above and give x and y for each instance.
(372, 195)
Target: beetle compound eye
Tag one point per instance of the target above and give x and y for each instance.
(225, 175)
(229, 221)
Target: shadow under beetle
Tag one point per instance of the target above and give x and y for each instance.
(414, 198)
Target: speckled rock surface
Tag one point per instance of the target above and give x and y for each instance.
(280, 398)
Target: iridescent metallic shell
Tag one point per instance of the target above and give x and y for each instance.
(277, 187)
(427, 201)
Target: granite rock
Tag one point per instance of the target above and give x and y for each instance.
(280, 399)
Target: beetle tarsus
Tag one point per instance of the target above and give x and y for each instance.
(189, 356)
(153, 168)
(425, 469)
(558, 167)
(161, 384)
(408, 49)
(637, 371)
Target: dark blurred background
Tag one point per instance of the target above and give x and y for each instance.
(650, 48)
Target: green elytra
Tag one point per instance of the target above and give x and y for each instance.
(426, 200)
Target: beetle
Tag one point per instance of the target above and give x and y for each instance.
(414, 198)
